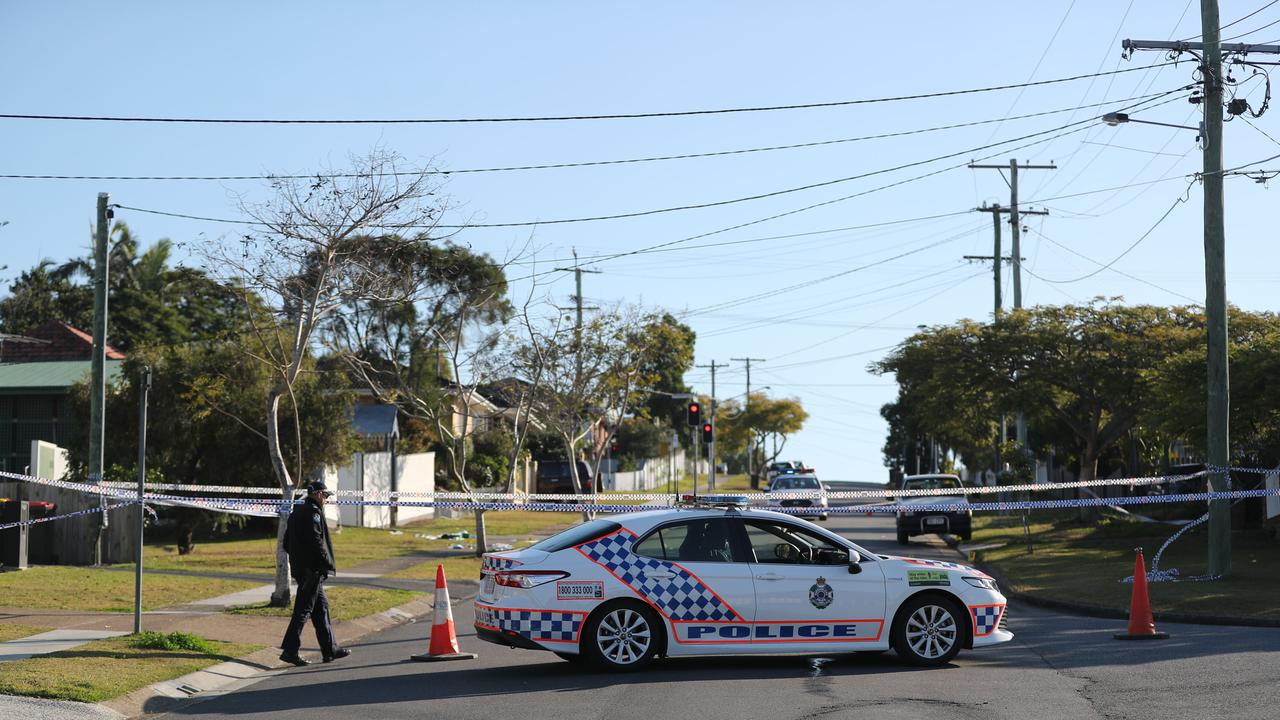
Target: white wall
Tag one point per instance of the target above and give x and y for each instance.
(371, 472)
(652, 474)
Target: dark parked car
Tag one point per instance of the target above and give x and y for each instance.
(555, 477)
(933, 522)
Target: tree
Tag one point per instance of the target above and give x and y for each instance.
(764, 419)
(205, 418)
(151, 302)
(1084, 366)
(317, 247)
(638, 439)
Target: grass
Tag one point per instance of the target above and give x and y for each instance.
(352, 546)
(17, 632)
(345, 603)
(1078, 563)
(463, 566)
(105, 669)
(101, 590)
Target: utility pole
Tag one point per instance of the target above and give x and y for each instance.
(1014, 218)
(142, 487)
(97, 390)
(711, 451)
(746, 406)
(1215, 280)
(578, 307)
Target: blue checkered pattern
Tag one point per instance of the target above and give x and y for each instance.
(546, 625)
(493, 562)
(985, 619)
(682, 597)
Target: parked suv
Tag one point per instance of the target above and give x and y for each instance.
(931, 522)
(555, 476)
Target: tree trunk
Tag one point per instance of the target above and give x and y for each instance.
(280, 596)
(482, 536)
(1088, 473)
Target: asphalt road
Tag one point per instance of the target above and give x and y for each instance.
(1059, 666)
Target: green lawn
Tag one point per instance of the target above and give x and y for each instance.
(101, 590)
(1084, 564)
(16, 632)
(105, 669)
(345, 603)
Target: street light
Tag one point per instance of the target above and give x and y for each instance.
(1117, 118)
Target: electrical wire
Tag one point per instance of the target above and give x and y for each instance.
(1182, 199)
(1264, 27)
(1112, 269)
(555, 166)
(692, 206)
(1234, 22)
(555, 118)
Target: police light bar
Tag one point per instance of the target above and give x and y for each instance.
(726, 501)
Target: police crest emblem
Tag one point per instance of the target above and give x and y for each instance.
(821, 594)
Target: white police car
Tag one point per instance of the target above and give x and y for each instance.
(715, 578)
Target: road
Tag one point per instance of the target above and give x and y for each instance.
(1059, 666)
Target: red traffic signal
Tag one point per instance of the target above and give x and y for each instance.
(693, 414)
(707, 432)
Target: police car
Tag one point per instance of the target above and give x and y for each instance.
(714, 577)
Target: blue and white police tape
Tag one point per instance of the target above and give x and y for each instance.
(64, 516)
(782, 495)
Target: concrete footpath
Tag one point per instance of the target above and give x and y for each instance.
(207, 618)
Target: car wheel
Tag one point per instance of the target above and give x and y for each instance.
(903, 537)
(621, 637)
(929, 630)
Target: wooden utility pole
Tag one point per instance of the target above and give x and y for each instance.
(1215, 280)
(1015, 219)
(97, 371)
(746, 406)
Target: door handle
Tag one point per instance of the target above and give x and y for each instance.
(659, 575)
(769, 576)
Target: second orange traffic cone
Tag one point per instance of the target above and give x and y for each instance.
(1141, 625)
(444, 639)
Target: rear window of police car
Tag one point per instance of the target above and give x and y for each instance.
(576, 535)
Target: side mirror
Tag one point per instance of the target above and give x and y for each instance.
(854, 567)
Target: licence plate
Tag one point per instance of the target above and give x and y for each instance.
(935, 521)
(487, 585)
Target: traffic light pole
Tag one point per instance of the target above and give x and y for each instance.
(711, 447)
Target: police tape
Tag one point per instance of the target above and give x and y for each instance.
(77, 513)
(753, 495)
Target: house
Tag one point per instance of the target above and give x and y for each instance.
(37, 371)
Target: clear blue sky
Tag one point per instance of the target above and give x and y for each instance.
(416, 59)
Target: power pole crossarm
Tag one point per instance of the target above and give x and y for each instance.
(1181, 46)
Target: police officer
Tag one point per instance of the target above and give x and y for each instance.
(311, 561)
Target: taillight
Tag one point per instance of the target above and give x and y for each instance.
(527, 578)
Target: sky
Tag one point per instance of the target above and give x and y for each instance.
(819, 282)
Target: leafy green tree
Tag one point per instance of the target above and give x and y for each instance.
(767, 422)
(638, 439)
(205, 417)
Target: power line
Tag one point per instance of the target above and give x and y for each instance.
(554, 166)
(692, 206)
(1264, 27)
(1235, 22)
(1127, 250)
(555, 118)
(1112, 269)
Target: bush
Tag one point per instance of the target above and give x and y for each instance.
(151, 640)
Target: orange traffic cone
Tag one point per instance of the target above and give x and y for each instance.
(444, 640)
(1141, 625)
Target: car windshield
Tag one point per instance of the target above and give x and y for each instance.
(796, 483)
(931, 483)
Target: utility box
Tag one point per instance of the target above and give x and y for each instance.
(13, 542)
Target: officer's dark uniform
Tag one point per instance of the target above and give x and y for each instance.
(311, 560)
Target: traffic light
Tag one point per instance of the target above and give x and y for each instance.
(693, 414)
(706, 432)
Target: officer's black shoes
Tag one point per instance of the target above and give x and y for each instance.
(294, 659)
(337, 655)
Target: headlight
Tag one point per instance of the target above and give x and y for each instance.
(985, 583)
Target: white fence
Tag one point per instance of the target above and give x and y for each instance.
(371, 473)
(653, 473)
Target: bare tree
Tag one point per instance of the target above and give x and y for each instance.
(317, 246)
